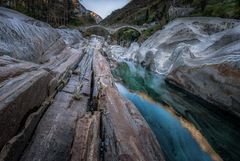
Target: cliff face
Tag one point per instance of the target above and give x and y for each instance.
(54, 12)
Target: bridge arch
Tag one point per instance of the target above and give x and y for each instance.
(97, 30)
(125, 35)
(125, 28)
(122, 35)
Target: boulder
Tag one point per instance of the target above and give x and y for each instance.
(210, 68)
(216, 81)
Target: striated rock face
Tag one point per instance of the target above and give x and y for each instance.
(58, 100)
(26, 91)
(210, 70)
(25, 41)
(25, 38)
(199, 55)
(119, 53)
(21, 83)
(202, 36)
(216, 80)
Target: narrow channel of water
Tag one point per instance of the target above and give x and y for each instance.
(219, 130)
(175, 140)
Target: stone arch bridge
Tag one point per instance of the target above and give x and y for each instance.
(111, 30)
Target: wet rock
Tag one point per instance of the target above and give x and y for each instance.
(209, 69)
(118, 53)
(148, 60)
(198, 55)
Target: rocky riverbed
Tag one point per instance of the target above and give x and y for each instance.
(66, 106)
(199, 55)
(59, 101)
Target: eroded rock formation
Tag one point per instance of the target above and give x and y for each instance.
(61, 103)
(199, 55)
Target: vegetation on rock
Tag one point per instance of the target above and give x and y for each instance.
(126, 36)
(140, 12)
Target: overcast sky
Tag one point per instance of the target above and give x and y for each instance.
(104, 7)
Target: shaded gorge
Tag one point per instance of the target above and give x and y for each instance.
(176, 112)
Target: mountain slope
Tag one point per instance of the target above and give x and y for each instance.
(139, 12)
(56, 13)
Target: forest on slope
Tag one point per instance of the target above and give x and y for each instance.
(54, 12)
(160, 12)
(139, 12)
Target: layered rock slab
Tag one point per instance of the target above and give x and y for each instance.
(59, 70)
(86, 145)
(54, 134)
(126, 135)
(20, 86)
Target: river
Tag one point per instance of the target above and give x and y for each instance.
(187, 129)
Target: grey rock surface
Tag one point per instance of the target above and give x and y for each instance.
(22, 40)
(200, 55)
(203, 36)
(28, 39)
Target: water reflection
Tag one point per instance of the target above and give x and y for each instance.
(176, 141)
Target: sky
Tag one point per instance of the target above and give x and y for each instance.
(103, 7)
